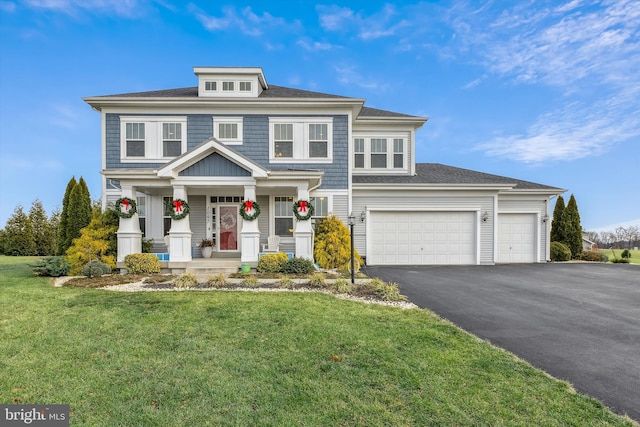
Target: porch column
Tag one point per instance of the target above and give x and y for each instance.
(250, 234)
(302, 230)
(129, 234)
(180, 233)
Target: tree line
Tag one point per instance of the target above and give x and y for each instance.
(620, 238)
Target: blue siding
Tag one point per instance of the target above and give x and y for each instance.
(255, 146)
(215, 165)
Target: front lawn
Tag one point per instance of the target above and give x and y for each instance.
(635, 255)
(238, 358)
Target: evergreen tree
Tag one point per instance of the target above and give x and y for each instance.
(572, 228)
(78, 212)
(332, 244)
(64, 215)
(42, 231)
(95, 243)
(557, 234)
(18, 235)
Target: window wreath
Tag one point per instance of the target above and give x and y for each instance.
(178, 209)
(303, 210)
(126, 207)
(249, 210)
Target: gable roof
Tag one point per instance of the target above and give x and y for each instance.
(439, 174)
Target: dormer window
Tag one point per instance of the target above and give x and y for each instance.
(228, 86)
(210, 86)
(245, 86)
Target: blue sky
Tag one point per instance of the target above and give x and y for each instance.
(543, 91)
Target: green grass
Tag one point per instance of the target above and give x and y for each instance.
(635, 255)
(269, 359)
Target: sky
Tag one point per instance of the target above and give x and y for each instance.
(544, 91)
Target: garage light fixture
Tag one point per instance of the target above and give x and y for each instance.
(485, 216)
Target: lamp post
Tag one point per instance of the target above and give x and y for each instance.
(352, 221)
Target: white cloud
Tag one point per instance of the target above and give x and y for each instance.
(349, 76)
(315, 46)
(380, 24)
(247, 21)
(128, 8)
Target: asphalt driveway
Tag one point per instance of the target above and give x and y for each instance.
(579, 322)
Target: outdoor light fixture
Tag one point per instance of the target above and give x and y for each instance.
(352, 222)
(363, 216)
(485, 216)
(545, 218)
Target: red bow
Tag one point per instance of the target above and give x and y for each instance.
(302, 206)
(248, 205)
(177, 206)
(125, 203)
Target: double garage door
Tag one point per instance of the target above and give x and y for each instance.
(411, 238)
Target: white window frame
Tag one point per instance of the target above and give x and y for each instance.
(153, 141)
(390, 152)
(245, 82)
(301, 152)
(217, 121)
(289, 215)
(214, 83)
(229, 83)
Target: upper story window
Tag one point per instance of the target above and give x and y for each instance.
(210, 86)
(228, 86)
(152, 139)
(380, 153)
(228, 130)
(301, 140)
(245, 86)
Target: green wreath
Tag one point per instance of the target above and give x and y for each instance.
(178, 209)
(129, 206)
(304, 206)
(249, 205)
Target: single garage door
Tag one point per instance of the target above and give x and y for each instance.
(411, 238)
(516, 237)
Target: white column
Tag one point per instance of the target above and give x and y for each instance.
(129, 234)
(180, 233)
(250, 234)
(302, 230)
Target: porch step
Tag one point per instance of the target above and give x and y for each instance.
(202, 267)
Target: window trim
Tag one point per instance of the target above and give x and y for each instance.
(289, 211)
(301, 149)
(390, 153)
(153, 138)
(228, 120)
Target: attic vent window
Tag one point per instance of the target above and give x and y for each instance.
(228, 86)
(210, 86)
(245, 86)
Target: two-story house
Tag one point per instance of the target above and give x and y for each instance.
(234, 142)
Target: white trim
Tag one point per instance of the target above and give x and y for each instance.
(390, 137)
(431, 208)
(153, 137)
(218, 120)
(301, 139)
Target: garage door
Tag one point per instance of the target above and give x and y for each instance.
(410, 238)
(516, 238)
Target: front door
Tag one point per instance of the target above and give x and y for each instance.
(228, 228)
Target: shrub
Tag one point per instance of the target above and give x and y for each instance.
(317, 280)
(272, 263)
(332, 243)
(185, 280)
(342, 286)
(298, 266)
(95, 268)
(251, 282)
(142, 264)
(52, 266)
(286, 282)
(559, 252)
(147, 245)
(216, 281)
(381, 290)
(593, 256)
(626, 254)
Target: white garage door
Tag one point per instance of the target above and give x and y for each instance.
(410, 238)
(516, 238)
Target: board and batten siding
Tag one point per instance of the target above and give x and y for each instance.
(390, 200)
(197, 222)
(528, 204)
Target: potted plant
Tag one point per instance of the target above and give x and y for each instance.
(207, 246)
